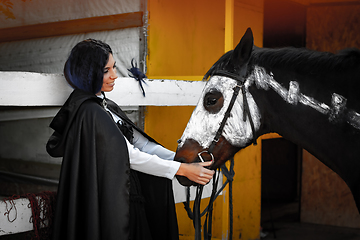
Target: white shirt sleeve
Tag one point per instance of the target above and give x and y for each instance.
(143, 144)
(151, 164)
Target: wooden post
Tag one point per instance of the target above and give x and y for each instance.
(229, 45)
(229, 25)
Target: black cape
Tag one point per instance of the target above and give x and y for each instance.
(99, 197)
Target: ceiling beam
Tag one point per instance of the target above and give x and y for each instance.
(85, 25)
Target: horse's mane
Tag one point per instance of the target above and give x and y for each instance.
(220, 64)
(305, 60)
(297, 59)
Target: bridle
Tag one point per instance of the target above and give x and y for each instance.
(240, 79)
(196, 216)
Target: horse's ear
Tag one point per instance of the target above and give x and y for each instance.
(243, 50)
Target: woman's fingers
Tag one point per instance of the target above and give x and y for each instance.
(205, 164)
(204, 175)
(196, 172)
(205, 170)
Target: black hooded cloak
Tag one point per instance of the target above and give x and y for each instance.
(99, 197)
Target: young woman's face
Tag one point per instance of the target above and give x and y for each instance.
(109, 75)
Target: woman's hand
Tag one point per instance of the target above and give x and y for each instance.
(196, 172)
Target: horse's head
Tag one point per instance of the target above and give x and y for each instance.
(219, 126)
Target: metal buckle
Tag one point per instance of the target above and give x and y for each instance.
(205, 151)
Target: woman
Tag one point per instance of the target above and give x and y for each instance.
(99, 197)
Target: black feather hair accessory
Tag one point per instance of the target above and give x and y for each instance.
(137, 74)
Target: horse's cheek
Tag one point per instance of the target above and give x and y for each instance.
(200, 127)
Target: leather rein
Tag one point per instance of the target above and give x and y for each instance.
(196, 216)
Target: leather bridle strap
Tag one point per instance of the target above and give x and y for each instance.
(226, 116)
(246, 110)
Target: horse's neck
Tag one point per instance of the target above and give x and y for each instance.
(322, 117)
(320, 127)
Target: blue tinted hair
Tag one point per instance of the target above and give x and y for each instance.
(84, 68)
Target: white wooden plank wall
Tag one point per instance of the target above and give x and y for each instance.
(15, 216)
(37, 89)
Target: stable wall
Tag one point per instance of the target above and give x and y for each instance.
(185, 38)
(330, 27)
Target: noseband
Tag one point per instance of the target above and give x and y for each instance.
(246, 111)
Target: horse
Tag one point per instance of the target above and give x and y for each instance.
(308, 97)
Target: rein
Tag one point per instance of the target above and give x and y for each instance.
(195, 215)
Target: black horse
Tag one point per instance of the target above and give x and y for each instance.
(310, 98)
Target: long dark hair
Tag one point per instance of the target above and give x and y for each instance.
(84, 69)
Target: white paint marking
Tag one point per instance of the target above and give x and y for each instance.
(264, 80)
(203, 125)
(293, 94)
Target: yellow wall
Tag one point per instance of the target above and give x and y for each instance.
(185, 38)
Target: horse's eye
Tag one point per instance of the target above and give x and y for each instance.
(213, 101)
